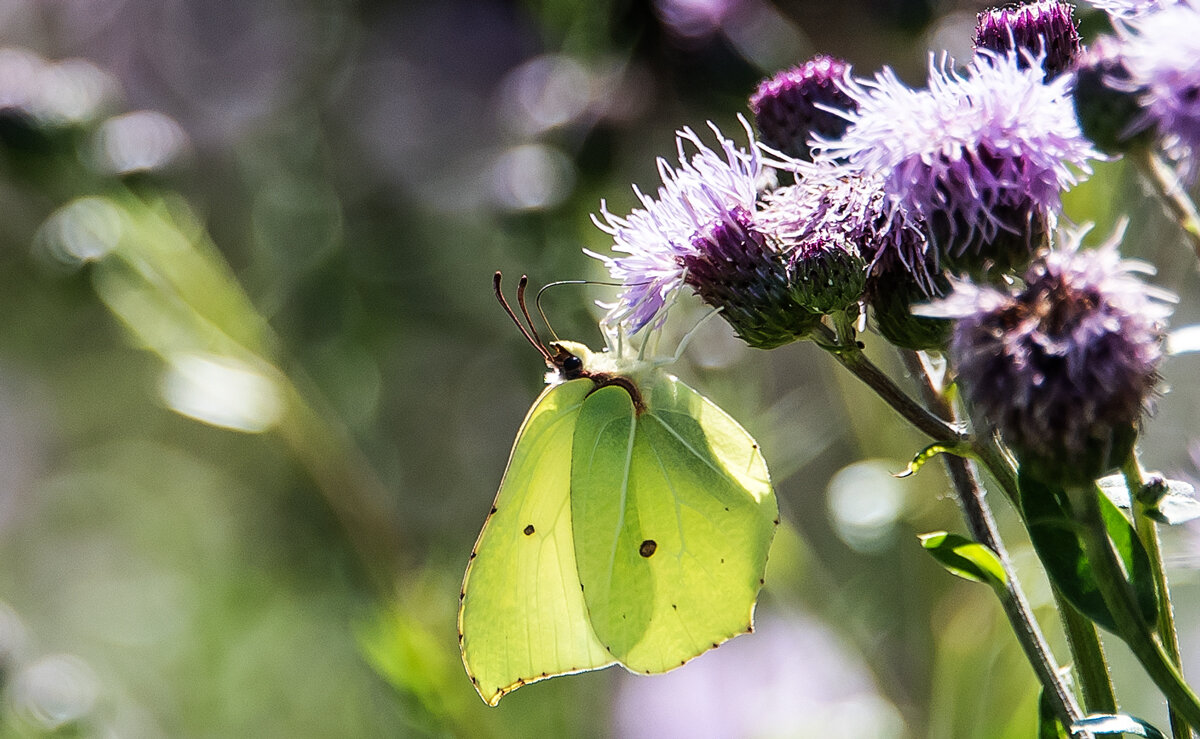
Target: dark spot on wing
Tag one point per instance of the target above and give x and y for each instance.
(675, 606)
(474, 680)
(715, 645)
(545, 674)
(722, 560)
(529, 530)
(493, 510)
(462, 594)
(727, 509)
(647, 548)
(472, 555)
(754, 446)
(761, 581)
(777, 522)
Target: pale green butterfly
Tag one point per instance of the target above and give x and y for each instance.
(631, 527)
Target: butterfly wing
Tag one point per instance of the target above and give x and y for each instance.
(673, 516)
(522, 617)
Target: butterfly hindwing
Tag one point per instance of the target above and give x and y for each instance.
(673, 514)
(523, 616)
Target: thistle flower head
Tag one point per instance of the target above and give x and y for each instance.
(1065, 366)
(977, 155)
(1161, 53)
(736, 267)
(796, 103)
(707, 188)
(1043, 29)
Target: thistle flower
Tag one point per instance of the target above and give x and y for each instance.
(1064, 367)
(708, 188)
(981, 157)
(1043, 29)
(736, 267)
(1160, 50)
(796, 103)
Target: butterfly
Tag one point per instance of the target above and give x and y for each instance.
(631, 527)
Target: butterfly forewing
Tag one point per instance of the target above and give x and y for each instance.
(523, 616)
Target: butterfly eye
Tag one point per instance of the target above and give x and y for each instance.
(572, 367)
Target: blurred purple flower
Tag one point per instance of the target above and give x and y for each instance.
(708, 188)
(792, 678)
(1065, 366)
(977, 154)
(1161, 53)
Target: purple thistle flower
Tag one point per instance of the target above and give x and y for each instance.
(1161, 53)
(734, 266)
(1065, 366)
(1043, 29)
(707, 188)
(795, 104)
(978, 156)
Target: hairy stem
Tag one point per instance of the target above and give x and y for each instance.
(1147, 532)
(850, 355)
(1172, 194)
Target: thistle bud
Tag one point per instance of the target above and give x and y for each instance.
(1106, 101)
(1042, 30)
(792, 106)
(826, 275)
(893, 289)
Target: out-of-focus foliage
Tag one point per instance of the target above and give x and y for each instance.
(281, 220)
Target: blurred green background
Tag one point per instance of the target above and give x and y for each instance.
(281, 219)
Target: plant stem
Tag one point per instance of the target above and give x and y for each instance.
(1118, 596)
(851, 356)
(1016, 607)
(1147, 532)
(1088, 654)
(1172, 194)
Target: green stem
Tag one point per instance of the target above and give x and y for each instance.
(1088, 653)
(1118, 596)
(1172, 194)
(1147, 532)
(851, 356)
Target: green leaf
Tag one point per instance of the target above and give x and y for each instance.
(1055, 533)
(1117, 724)
(1049, 726)
(957, 448)
(967, 559)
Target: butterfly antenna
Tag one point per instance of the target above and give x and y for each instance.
(530, 337)
(524, 283)
(537, 300)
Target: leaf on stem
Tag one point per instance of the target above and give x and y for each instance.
(967, 559)
(1057, 538)
(1117, 724)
